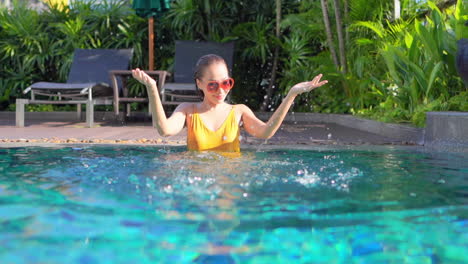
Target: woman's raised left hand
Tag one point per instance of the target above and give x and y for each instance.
(304, 87)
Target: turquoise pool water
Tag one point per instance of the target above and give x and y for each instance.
(127, 204)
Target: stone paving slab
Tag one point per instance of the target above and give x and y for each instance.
(447, 128)
(111, 132)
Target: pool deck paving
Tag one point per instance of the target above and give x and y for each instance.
(141, 132)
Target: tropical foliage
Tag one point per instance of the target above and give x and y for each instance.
(377, 66)
(38, 46)
(420, 73)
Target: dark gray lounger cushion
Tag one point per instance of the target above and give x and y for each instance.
(99, 89)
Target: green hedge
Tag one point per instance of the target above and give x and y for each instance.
(397, 69)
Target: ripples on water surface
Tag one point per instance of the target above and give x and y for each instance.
(166, 205)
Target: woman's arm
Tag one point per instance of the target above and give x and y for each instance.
(258, 128)
(165, 126)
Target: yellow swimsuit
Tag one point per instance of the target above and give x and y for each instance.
(226, 138)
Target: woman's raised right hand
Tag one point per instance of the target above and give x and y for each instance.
(144, 78)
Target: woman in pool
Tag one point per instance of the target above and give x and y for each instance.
(214, 124)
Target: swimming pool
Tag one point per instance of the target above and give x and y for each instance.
(129, 204)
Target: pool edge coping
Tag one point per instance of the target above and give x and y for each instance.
(257, 148)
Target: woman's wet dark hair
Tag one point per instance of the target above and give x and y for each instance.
(202, 64)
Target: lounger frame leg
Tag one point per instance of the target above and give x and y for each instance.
(128, 110)
(90, 113)
(20, 111)
(78, 111)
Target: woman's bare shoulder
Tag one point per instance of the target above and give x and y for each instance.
(242, 108)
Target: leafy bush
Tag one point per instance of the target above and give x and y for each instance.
(420, 71)
(38, 46)
(397, 70)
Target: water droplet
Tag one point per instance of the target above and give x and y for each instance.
(300, 172)
(442, 181)
(412, 194)
(240, 138)
(168, 188)
(245, 194)
(329, 135)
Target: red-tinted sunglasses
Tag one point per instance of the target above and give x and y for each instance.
(226, 85)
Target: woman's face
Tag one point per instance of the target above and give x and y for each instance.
(214, 72)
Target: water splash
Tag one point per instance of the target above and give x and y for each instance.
(259, 148)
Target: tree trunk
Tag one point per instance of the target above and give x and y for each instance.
(346, 20)
(341, 44)
(269, 93)
(328, 31)
(397, 7)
